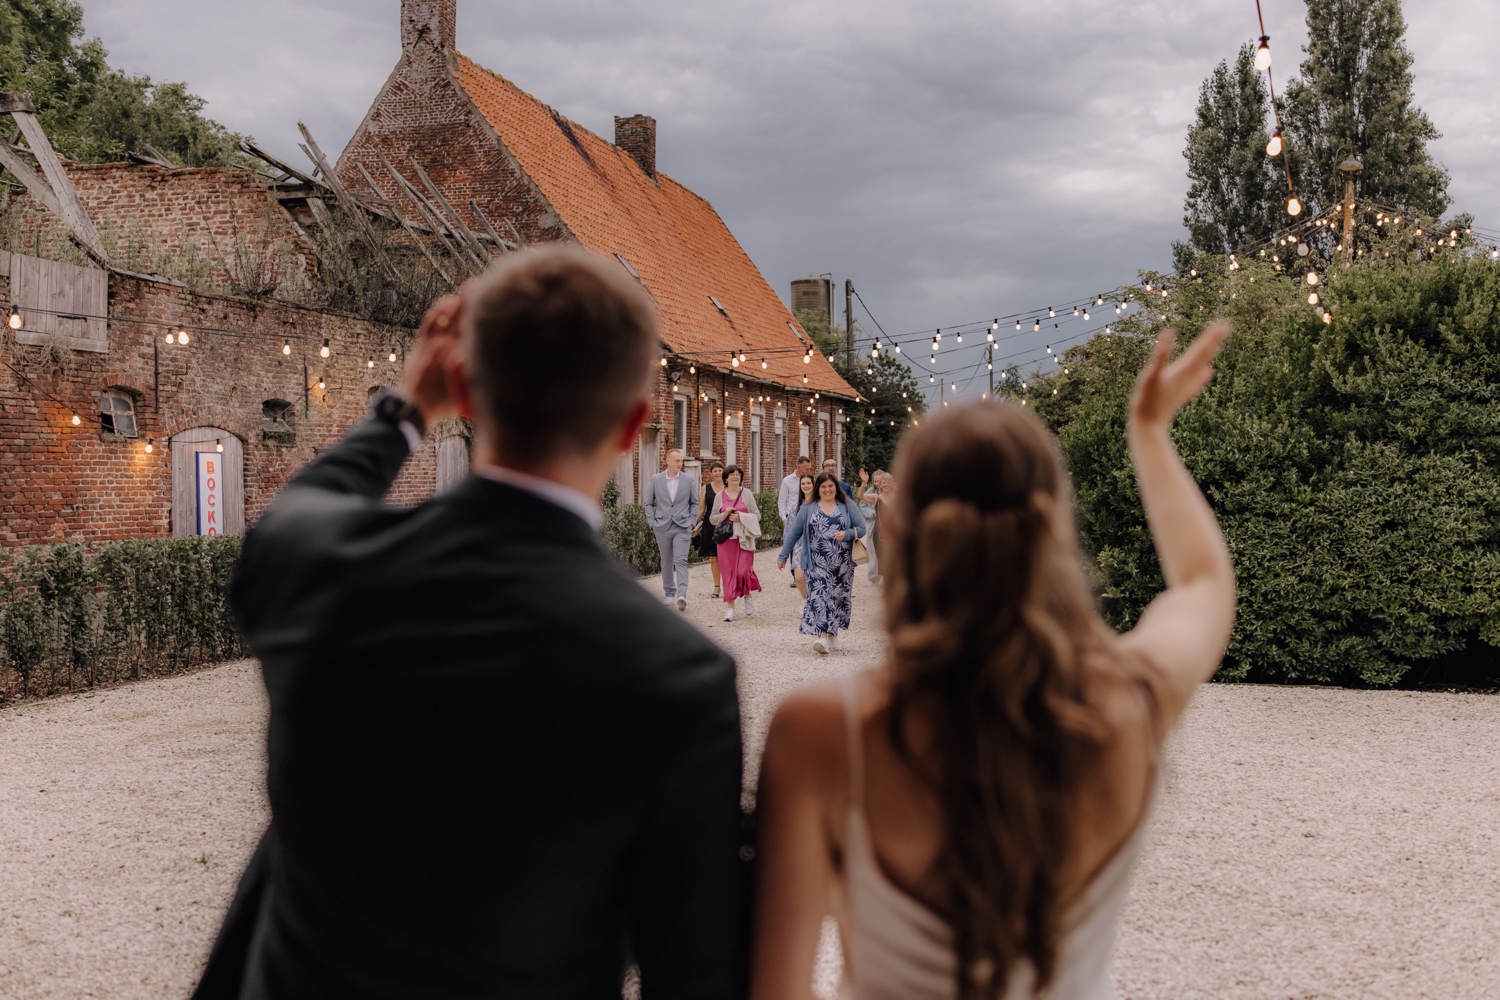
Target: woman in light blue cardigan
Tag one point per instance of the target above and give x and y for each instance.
(828, 529)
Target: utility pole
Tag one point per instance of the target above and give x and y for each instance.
(849, 323)
(990, 349)
(1349, 168)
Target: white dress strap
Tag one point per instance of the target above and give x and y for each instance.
(856, 744)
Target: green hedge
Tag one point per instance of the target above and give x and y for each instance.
(629, 537)
(1355, 467)
(71, 618)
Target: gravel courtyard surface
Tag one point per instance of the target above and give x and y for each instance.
(1312, 843)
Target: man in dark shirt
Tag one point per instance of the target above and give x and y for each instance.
(498, 767)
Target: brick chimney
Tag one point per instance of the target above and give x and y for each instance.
(637, 136)
(432, 23)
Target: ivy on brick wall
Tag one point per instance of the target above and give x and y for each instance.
(72, 619)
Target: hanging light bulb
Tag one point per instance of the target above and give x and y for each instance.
(14, 319)
(897, 348)
(960, 338)
(182, 337)
(1051, 312)
(324, 351)
(1263, 53)
(322, 383)
(150, 445)
(663, 361)
(742, 355)
(692, 369)
(1328, 317)
(804, 379)
(1273, 148)
(1036, 325)
(1085, 315)
(1293, 206)
(1312, 298)
(763, 365)
(171, 337)
(734, 361)
(1018, 324)
(286, 346)
(807, 359)
(370, 363)
(219, 447)
(77, 420)
(1312, 277)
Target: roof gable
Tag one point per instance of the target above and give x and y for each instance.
(711, 298)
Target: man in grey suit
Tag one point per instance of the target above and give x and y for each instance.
(672, 510)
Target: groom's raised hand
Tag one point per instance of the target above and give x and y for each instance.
(426, 380)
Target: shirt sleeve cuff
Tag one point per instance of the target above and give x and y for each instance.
(412, 435)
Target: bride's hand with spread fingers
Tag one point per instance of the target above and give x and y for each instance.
(1164, 387)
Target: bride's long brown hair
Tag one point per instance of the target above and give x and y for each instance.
(991, 622)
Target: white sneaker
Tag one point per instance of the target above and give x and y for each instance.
(682, 604)
(833, 643)
(749, 608)
(669, 601)
(821, 644)
(729, 613)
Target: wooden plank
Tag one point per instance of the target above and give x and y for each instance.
(16, 100)
(484, 221)
(347, 200)
(251, 149)
(12, 158)
(416, 199)
(460, 228)
(74, 214)
(421, 244)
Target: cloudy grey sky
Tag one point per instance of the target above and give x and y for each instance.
(958, 160)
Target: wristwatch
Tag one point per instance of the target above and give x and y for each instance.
(394, 407)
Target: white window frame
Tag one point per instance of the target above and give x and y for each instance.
(755, 484)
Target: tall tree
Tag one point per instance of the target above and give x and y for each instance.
(1233, 197)
(1355, 96)
(94, 113)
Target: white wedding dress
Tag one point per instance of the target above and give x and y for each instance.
(898, 949)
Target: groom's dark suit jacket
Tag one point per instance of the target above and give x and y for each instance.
(497, 765)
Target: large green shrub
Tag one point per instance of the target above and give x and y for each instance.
(1352, 465)
(70, 618)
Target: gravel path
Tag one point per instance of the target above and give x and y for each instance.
(1312, 843)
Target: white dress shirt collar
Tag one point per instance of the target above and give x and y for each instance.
(566, 497)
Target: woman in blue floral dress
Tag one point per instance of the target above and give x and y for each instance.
(827, 531)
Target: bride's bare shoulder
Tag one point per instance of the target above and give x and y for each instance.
(807, 734)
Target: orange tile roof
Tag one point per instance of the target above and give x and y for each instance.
(673, 239)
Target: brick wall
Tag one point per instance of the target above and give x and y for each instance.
(221, 223)
(60, 482)
(421, 115)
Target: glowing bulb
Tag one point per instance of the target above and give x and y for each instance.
(14, 320)
(763, 364)
(219, 446)
(150, 445)
(692, 369)
(960, 338)
(742, 355)
(1293, 206)
(321, 383)
(990, 337)
(392, 356)
(1036, 325)
(1312, 298)
(286, 347)
(734, 361)
(898, 348)
(371, 363)
(1273, 148)
(806, 359)
(324, 350)
(1263, 53)
(1018, 324)
(1328, 317)
(77, 420)
(663, 361)
(182, 336)
(171, 337)
(1312, 277)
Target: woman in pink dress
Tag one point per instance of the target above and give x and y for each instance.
(736, 564)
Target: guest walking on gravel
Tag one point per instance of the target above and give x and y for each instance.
(828, 530)
(671, 510)
(497, 767)
(736, 562)
(789, 498)
(972, 809)
(877, 492)
(804, 497)
(708, 493)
